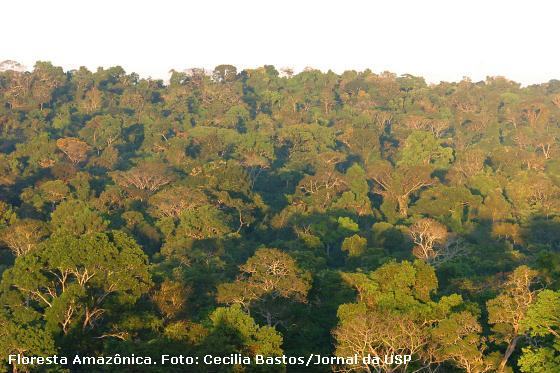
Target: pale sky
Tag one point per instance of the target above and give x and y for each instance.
(440, 40)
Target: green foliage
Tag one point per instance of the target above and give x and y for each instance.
(206, 222)
(542, 320)
(269, 273)
(543, 317)
(424, 148)
(20, 337)
(75, 217)
(253, 339)
(73, 279)
(130, 209)
(354, 245)
(395, 311)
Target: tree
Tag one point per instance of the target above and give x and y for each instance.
(23, 337)
(423, 148)
(171, 298)
(48, 194)
(224, 73)
(356, 198)
(454, 205)
(76, 150)
(495, 207)
(73, 281)
(458, 340)
(203, 223)
(40, 151)
(398, 184)
(535, 113)
(542, 320)
(7, 215)
(172, 202)
(77, 218)
(507, 311)
(234, 331)
(46, 78)
(270, 274)
(433, 242)
(18, 89)
(92, 101)
(394, 314)
(467, 165)
(363, 142)
(147, 176)
(102, 131)
(354, 245)
(24, 235)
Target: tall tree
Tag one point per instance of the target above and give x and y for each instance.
(507, 311)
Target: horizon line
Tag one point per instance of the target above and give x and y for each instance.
(208, 69)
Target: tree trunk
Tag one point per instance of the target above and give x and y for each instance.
(403, 206)
(509, 351)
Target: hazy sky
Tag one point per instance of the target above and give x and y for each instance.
(440, 40)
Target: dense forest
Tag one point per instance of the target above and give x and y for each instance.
(266, 212)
